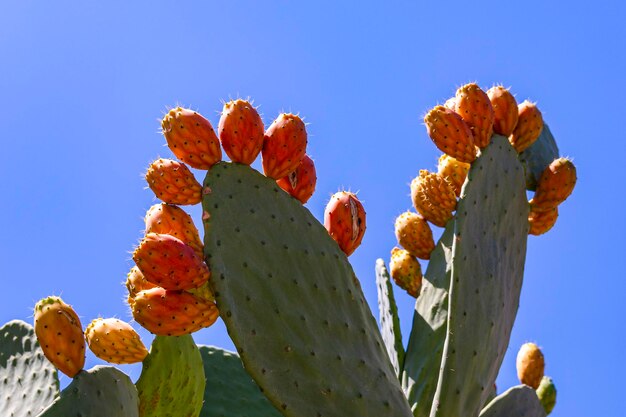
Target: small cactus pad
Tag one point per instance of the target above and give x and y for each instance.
(172, 380)
(388, 316)
(29, 381)
(291, 302)
(102, 391)
(229, 391)
(519, 401)
(538, 156)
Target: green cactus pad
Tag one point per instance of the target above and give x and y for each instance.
(388, 317)
(229, 391)
(488, 255)
(291, 302)
(172, 380)
(547, 394)
(102, 391)
(519, 401)
(538, 156)
(29, 382)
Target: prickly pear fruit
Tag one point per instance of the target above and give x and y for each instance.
(301, 182)
(170, 263)
(547, 394)
(191, 138)
(542, 221)
(60, 335)
(172, 220)
(474, 107)
(433, 197)
(528, 128)
(135, 282)
(241, 131)
(115, 341)
(504, 109)
(554, 186)
(284, 145)
(453, 171)
(172, 182)
(450, 133)
(450, 104)
(172, 313)
(344, 218)
(406, 271)
(530, 365)
(414, 235)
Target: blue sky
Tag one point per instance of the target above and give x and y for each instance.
(83, 86)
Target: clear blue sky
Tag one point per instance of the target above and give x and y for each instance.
(83, 86)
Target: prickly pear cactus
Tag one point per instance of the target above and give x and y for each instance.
(519, 401)
(538, 156)
(389, 320)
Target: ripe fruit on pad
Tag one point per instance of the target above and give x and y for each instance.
(547, 394)
(172, 313)
(474, 106)
(450, 133)
(406, 271)
(191, 138)
(170, 263)
(528, 128)
(172, 182)
(530, 365)
(344, 218)
(542, 221)
(453, 171)
(301, 182)
(115, 341)
(450, 104)
(505, 110)
(414, 234)
(241, 131)
(60, 335)
(433, 197)
(284, 145)
(554, 186)
(135, 282)
(172, 220)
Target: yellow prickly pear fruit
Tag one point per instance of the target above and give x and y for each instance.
(433, 197)
(528, 128)
(172, 182)
(504, 109)
(135, 282)
(542, 221)
(172, 220)
(530, 365)
(115, 341)
(414, 234)
(450, 133)
(60, 335)
(554, 186)
(453, 171)
(474, 106)
(406, 271)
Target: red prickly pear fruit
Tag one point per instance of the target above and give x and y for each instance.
(528, 128)
(344, 218)
(554, 186)
(284, 145)
(453, 171)
(414, 235)
(542, 221)
(172, 220)
(530, 365)
(191, 138)
(172, 182)
(504, 109)
(115, 341)
(450, 133)
(135, 282)
(474, 107)
(170, 263)
(172, 313)
(433, 197)
(406, 271)
(60, 335)
(241, 131)
(301, 182)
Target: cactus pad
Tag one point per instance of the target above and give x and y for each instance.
(519, 401)
(388, 316)
(537, 158)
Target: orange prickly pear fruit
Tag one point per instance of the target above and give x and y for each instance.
(135, 282)
(191, 138)
(554, 186)
(284, 145)
(172, 220)
(505, 110)
(450, 104)
(172, 313)
(542, 221)
(60, 335)
(406, 271)
(301, 182)
(241, 131)
(473, 105)
(528, 128)
(450, 133)
(115, 341)
(433, 197)
(344, 218)
(453, 171)
(414, 235)
(530, 365)
(172, 182)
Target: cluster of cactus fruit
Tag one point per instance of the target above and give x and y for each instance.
(283, 286)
